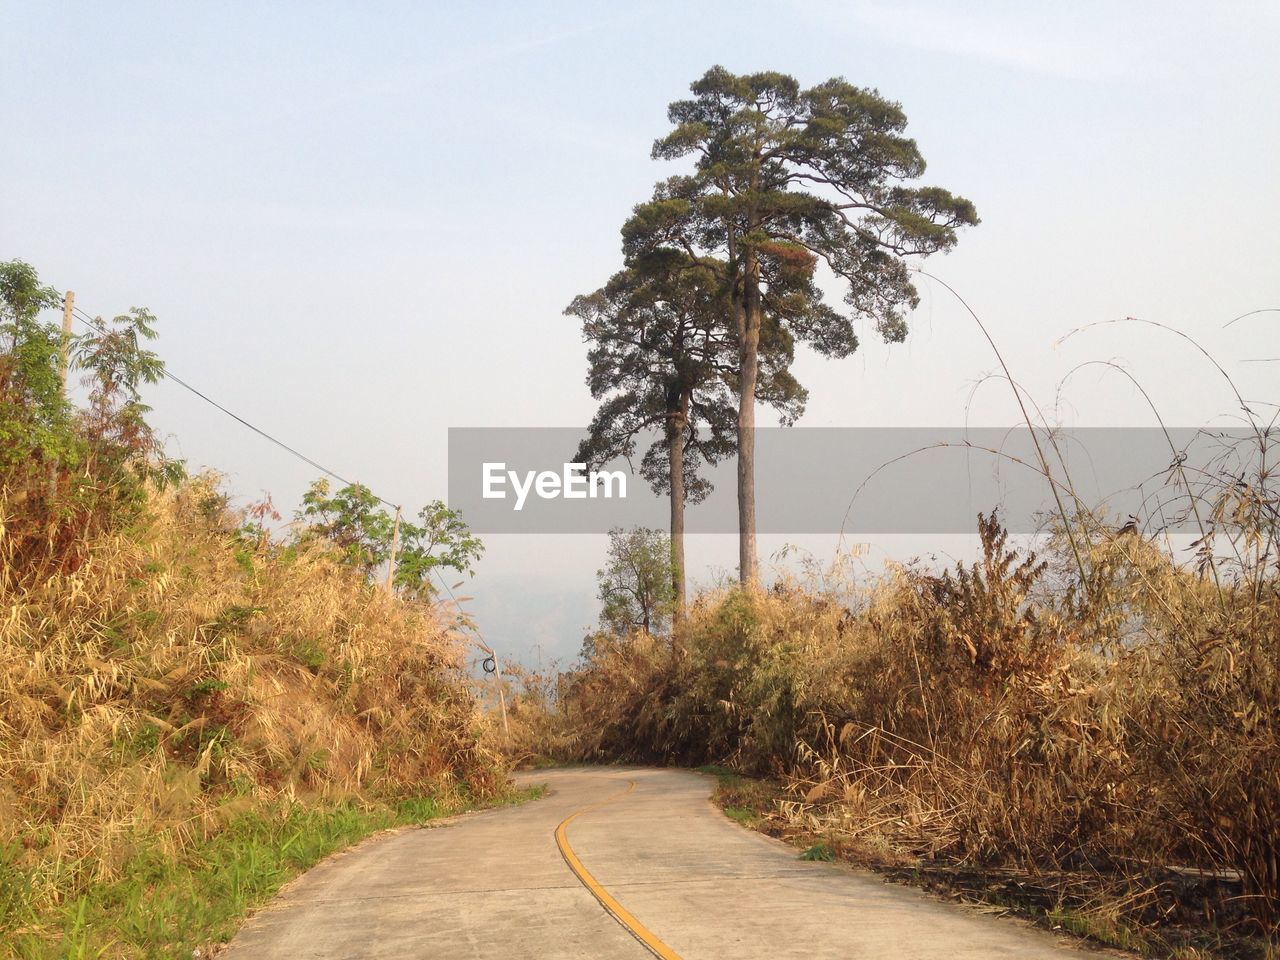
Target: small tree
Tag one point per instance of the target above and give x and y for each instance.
(35, 418)
(787, 178)
(351, 520)
(441, 539)
(635, 585)
(72, 470)
(116, 365)
(354, 521)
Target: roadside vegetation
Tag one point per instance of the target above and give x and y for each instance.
(1091, 735)
(1110, 763)
(192, 710)
(194, 707)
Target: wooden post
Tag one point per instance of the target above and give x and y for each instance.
(502, 699)
(497, 676)
(64, 357)
(395, 549)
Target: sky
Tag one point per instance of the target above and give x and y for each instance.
(359, 225)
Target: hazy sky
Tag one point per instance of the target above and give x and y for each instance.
(359, 224)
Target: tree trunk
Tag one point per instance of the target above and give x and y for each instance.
(749, 311)
(676, 424)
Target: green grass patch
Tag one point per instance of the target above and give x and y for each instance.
(823, 852)
(164, 907)
(749, 801)
(743, 815)
(1095, 925)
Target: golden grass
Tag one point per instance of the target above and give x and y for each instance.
(985, 717)
(181, 675)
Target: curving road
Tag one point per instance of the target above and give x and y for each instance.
(676, 872)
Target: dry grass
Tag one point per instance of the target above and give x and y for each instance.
(181, 674)
(1123, 750)
(1101, 728)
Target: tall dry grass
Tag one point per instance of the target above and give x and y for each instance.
(183, 672)
(1111, 711)
(985, 716)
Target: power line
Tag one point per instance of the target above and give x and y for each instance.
(85, 318)
(91, 322)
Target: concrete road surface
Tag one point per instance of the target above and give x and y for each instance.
(679, 874)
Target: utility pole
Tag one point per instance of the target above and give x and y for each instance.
(64, 357)
(492, 656)
(502, 698)
(64, 361)
(395, 549)
(497, 677)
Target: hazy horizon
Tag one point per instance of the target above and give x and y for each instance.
(360, 227)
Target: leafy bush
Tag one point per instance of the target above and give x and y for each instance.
(68, 474)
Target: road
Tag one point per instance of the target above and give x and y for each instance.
(679, 873)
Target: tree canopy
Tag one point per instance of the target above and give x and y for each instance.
(354, 521)
(787, 179)
(663, 360)
(635, 583)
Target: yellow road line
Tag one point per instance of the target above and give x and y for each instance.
(614, 908)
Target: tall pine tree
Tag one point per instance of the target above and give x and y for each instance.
(664, 360)
(786, 179)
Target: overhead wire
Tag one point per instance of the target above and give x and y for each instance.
(85, 318)
(96, 325)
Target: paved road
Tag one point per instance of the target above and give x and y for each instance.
(495, 884)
